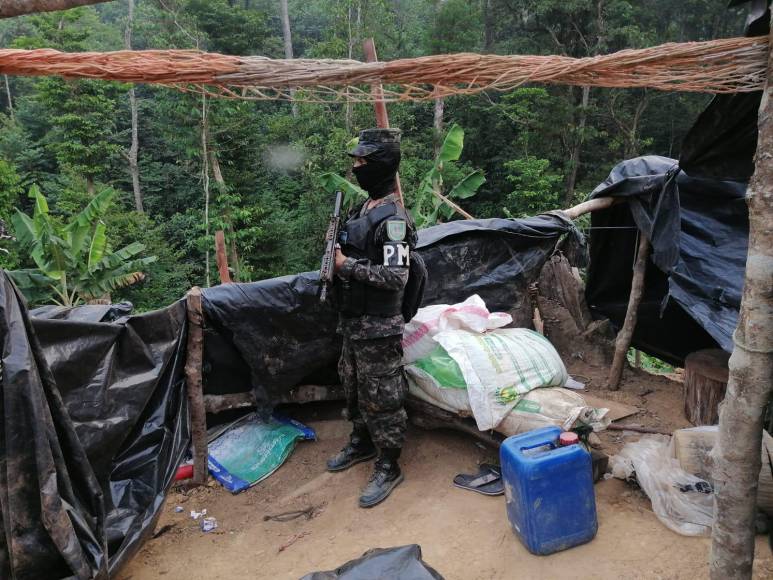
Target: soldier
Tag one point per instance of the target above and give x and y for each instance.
(372, 268)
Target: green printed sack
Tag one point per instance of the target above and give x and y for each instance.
(443, 369)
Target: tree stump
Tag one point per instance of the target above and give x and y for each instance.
(705, 382)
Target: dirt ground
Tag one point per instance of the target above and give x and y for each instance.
(463, 535)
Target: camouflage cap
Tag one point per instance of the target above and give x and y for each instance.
(375, 140)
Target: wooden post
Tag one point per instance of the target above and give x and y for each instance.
(195, 385)
(736, 457)
(221, 257)
(705, 383)
(623, 342)
(382, 118)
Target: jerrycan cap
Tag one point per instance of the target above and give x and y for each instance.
(568, 438)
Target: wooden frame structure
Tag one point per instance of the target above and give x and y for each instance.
(750, 367)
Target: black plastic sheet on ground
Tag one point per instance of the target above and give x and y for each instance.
(403, 563)
(284, 336)
(95, 422)
(699, 231)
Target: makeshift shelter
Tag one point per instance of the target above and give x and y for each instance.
(95, 417)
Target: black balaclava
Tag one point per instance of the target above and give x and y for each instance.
(381, 149)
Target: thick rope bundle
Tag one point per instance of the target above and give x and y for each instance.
(717, 66)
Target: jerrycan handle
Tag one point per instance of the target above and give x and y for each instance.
(535, 448)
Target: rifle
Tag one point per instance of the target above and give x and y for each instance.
(327, 269)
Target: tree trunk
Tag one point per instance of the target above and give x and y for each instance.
(288, 41)
(205, 177)
(705, 383)
(134, 169)
(10, 100)
(574, 156)
(438, 125)
(10, 8)
(223, 188)
(736, 456)
(488, 26)
(352, 39)
(90, 185)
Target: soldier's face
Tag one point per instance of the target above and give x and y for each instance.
(360, 161)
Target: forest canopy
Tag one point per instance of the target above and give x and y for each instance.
(256, 169)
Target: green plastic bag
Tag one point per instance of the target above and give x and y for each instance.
(250, 450)
(443, 369)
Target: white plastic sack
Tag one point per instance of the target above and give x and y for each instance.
(681, 501)
(538, 408)
(501, 365)
(471, 314)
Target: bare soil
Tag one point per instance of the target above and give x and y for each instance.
(462, 534)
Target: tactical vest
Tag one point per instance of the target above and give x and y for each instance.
(356, 298)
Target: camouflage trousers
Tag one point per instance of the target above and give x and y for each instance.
(371, 372)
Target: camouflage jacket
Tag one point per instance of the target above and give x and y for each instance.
(380, 276)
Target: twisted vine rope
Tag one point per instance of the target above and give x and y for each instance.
(717, 66)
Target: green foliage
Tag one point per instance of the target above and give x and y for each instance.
(427, 207)
(9, 192)
(649, 363)
(82, 118)
(70, 137)
(537, 188)
(72, 260)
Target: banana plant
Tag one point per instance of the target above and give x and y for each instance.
(431, 204)
(73, 262)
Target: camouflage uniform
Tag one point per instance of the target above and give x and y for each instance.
(370, 366)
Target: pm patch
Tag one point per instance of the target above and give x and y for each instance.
(396, 230)
(396, 254)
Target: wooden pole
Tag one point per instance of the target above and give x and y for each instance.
(623, 342)
(382, 118)
(195, 385)
(736, 456)
(222, 257)
(590, 206)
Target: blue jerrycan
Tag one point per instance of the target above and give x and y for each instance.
(549, 490)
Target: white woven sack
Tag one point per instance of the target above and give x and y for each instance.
(518, 358)
(471, 314)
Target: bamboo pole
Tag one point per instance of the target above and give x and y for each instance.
(623, 341)
(736, 456)
(195, 385)
(382, 118)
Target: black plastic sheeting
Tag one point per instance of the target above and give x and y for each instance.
(95, 422)
(275, 334)
(722, 141)
(699, 230)
(403, 563)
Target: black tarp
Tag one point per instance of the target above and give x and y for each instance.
(401, 563)
(95, 422)
(279, 330)
(699, 233)
(696, 216)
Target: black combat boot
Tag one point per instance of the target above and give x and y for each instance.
(386, 476)
(360, 448)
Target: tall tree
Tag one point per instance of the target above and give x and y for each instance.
(749, 390)
(288, 43)
(133, 153)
